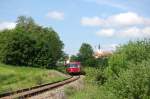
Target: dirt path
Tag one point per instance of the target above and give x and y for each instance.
(59, 93)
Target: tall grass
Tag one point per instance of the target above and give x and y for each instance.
(91, 87)
(14, 78)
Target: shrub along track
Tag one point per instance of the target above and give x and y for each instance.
(28, 92)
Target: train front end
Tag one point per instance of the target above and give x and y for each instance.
(74, 68)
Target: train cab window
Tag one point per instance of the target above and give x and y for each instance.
(74, 66)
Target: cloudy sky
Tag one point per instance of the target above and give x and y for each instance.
(105, 22)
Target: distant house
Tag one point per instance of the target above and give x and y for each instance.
(100, 53)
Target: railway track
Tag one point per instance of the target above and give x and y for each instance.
(28, 92)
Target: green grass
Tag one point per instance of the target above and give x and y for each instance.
(89, 92)
(91, 89)
(13, 78)
(62, 69)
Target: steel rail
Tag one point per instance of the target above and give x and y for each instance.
(28, 92)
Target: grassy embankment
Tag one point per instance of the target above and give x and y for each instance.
(14, 78)
(90, 90)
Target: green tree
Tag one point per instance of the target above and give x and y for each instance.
(30, 44)
(74, 58)
(20, 50)
(86, 55)
(25, 24)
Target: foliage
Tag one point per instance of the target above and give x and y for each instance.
(102, 62)
(64, 57)
(61, 68)
(133, 83)
(91, 88)
(19, 50)
(30, 44)
(16, 77)
(85, 51)
(134, 52)
(74, 58)
(86, 55)
(127, 75)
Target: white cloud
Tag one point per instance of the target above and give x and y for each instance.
(117, 20)
(56, 15)
(126, 19)
(131, 32)
(127, 24)
(146, 31)
(106, 32)
(7, 25)
(93, 21)
(135, 32)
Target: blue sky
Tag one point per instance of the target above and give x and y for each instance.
(105, 22)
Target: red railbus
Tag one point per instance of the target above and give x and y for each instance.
(74, 68)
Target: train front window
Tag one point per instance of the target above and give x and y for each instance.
(73, 66)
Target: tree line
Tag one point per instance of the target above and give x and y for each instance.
(30, 44)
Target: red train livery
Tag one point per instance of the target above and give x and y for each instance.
(74, 68)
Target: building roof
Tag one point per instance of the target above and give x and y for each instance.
(99, 54)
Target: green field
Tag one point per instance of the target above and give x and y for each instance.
(14, 78)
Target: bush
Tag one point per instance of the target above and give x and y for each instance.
(133, 52)
(133, 83)
(128, 74)
(102, 62)
(90, 62)
(100, 78)
(117, 62)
